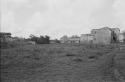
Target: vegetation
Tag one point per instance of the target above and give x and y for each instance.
(40, 39)
(63, 63)
(124, 35)
(13, 44)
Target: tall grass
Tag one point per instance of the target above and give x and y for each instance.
(89, 60)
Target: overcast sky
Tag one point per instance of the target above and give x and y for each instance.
(60, 17)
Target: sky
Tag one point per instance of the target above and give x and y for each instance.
(56, 18)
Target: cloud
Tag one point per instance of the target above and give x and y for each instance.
(18, 1)
(104, 15)
(8, 20)
(119, 7)
(8, 23)
(58, 17)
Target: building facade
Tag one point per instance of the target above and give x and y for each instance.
(74, 39)
(106, 35)
(121, 37)
(64, 39)
(93, 31)
(115, 35)
(102, 36)
(86, 38)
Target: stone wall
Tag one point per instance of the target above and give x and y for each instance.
(102, 36)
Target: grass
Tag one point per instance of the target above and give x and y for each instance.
(62, 63)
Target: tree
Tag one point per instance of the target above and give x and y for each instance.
(47, 38)
(40, 39)
(33, 38)
(124, 35)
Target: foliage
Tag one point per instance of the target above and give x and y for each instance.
(124, 35)
(40, 40)
(35, 62)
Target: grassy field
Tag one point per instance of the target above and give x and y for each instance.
(63, 63)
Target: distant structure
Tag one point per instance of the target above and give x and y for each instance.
(5, 37)
(115, 34)
(103, 35)
(64, 39)
(93, 31)
(121, 37)
(72, 39)
(86, 38)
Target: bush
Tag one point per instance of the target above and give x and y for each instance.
(124, 35)
(40, 40)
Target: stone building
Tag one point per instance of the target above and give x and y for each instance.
(105, 35)
(86, 38)
(115, 34)
(93, 31)
(64, 39)
(102, 36)
(74, 39)
(121, 37)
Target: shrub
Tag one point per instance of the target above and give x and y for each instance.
(40, 40)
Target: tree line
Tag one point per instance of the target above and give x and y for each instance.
(40, 40)
(124, 35)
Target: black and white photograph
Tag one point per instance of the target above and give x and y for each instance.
(62, 40)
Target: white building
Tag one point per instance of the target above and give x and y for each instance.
(86, 38)
(121, 37)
